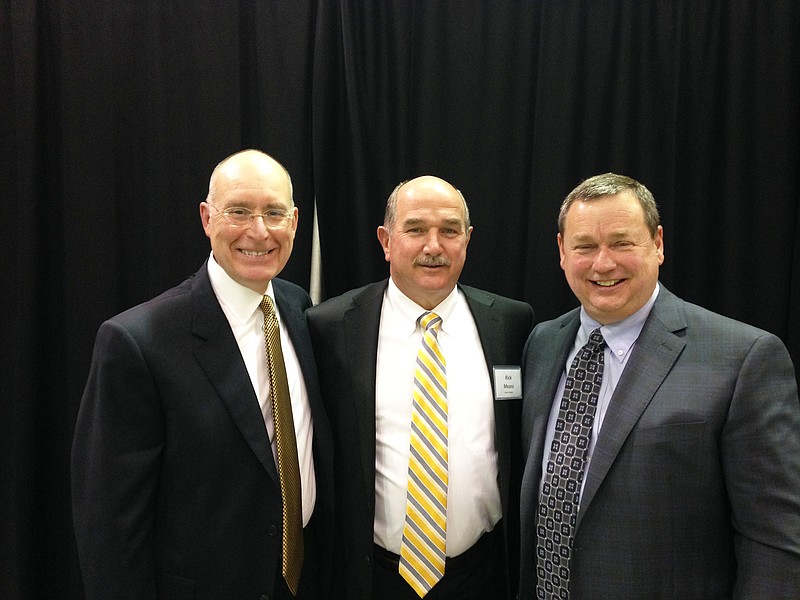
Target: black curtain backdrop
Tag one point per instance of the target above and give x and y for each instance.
(113, 114)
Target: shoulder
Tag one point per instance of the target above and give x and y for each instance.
(700, 322)
(162, 308)
(151, 325)
(291, 292)
(509, 307)
(728, 339)
(335, 307)
(714, 340)
(566, 324)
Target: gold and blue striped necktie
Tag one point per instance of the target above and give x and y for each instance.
(422, 551)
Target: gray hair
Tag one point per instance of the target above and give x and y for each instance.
(611, 184)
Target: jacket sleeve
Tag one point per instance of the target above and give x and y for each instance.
(115, 464)
(761, 462)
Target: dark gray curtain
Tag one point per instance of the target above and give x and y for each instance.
(112, 115)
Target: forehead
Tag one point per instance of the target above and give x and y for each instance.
(621, 210)
(251, 185)
(429, 200)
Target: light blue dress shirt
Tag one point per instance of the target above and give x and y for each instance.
(620, 340)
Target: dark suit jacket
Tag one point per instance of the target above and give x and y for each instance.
(175, 490)
(693, 490)
(344, 331)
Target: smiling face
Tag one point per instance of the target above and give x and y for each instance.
(426, 242)
(251, 255)
(610, 259)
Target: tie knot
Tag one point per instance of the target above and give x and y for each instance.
(267, 307)
(430, 320)
(596, 340)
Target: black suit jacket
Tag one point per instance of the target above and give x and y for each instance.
(693, 490)
(344, 331)
(175, 490)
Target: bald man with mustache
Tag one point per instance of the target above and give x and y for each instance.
(366, 344)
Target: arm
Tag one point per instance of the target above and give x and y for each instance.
(761, 461)
(115, 466)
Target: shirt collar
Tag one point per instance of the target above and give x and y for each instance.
(407, 311)
(239, 301)
(619, 336)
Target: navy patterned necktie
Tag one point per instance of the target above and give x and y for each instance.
(561, 489)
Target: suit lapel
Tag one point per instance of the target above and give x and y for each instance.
(655, 353)
(488, 323)
(293, 319)
(361, 324)
(546, 374)
(491, 331)
(216, 350)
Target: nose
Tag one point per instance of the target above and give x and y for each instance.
(432, 244)
(258, 226)
(604, 260)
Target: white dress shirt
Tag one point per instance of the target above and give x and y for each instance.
(473, 497)
(620, 340)
(241, 306)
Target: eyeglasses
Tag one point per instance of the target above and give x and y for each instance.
(239, 216)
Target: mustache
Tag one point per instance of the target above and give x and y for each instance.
(432, 261)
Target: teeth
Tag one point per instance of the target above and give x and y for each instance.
(607, 283)
(253, 253)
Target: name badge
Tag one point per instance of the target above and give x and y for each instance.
(507, 382)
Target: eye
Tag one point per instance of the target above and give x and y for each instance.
(275, 213)
(238, 212)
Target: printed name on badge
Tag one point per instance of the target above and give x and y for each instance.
(507, 382)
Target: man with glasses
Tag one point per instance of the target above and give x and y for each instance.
(179, 484)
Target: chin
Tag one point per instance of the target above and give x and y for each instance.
(256, 280)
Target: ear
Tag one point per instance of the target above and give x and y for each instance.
(205, 218)
(560, 241)
(384, 238)
(659, 241)
(295, 218)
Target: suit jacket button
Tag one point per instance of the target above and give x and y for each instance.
(367, 559)
(272, 531)
(265, 597)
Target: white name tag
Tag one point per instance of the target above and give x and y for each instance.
(507, 382)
